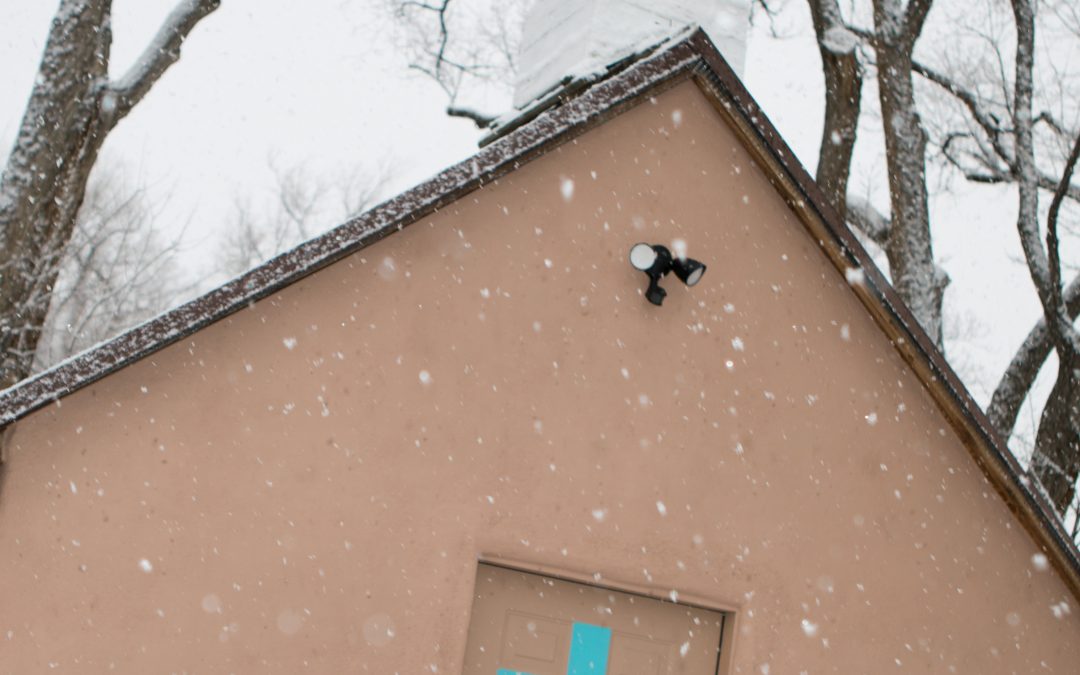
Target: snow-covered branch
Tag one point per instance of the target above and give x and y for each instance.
(478, 118)
(1052, 246)
(990, 169)
(916, 18)
(868, 220)
(1019, 376)
(1043, 264)
(163, 51)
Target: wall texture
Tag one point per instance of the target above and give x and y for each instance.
(311, 482)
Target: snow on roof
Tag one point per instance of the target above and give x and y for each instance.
(570, 39)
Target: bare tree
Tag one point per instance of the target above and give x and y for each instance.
(72, 108)
(904, 234)
(1056, 460)
(996, 143)
(115, 271)
(463, 48)
(301, 207)
(998, 138)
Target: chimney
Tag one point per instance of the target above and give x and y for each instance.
(576, 38)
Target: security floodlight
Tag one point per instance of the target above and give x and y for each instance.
(689, 271)
(642, 257)
(656, 261)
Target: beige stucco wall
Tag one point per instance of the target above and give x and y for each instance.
(297, 487)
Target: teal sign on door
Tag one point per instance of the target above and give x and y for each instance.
(589, 648)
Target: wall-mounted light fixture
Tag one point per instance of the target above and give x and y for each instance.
(656, 261)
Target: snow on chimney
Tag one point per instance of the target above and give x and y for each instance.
(576, 38)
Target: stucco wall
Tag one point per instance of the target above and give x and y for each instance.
(297, 487)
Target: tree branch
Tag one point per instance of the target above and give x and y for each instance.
(868, 220)
(1044, 265)
(163, 51)
(1047, 118)
(1019, 376)
(987, 122)
(1064, 185)
(1049, 184)
(481, 120)
(1052, 236)
(915, 18)
(994, 132)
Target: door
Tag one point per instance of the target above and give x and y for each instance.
(530, 624)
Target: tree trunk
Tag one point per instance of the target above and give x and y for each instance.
(843, 98)
(910, 252)
(1056, 460)
(1019, 377)
(71, 110)
(44, 181)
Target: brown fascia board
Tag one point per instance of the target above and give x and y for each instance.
(692, 58)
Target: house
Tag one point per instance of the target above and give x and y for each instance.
(453, 436)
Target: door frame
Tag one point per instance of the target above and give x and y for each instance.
(728, 611)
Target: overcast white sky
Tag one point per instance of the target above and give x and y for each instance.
(318, 83)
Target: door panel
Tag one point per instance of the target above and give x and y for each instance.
(534, 625)
(533, 643)
(637, 656)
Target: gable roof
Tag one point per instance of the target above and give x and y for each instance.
(557, 121)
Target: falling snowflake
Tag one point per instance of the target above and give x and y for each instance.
(678, 247)
(211, 604)
(566, 186)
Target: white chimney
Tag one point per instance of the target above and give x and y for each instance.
(573, 38)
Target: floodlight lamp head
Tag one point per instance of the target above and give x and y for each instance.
(656, 262)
